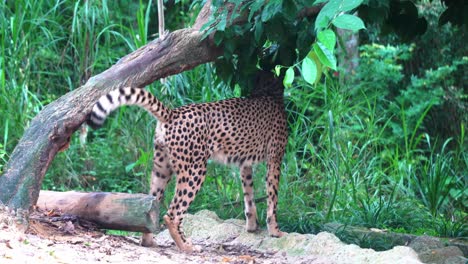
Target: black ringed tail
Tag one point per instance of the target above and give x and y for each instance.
(127, 96)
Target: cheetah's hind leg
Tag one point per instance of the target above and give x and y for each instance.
(181, 241)
(249, 202)
(188, 184)
(160, 176)
(272, 185)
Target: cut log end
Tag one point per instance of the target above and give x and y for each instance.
(118, 211)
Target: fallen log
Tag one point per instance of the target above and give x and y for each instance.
(118, 211)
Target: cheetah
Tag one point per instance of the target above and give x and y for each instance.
(237, 131)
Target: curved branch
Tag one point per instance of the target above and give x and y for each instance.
(51, 129)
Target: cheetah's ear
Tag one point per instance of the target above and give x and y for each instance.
(267, 79)
(267, 84)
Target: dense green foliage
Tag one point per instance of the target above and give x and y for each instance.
(276, 35)
(372, 149)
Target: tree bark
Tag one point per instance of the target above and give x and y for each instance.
(119, 211)
(348, 52)
(51, 129)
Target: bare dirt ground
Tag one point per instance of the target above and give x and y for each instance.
(55, 238)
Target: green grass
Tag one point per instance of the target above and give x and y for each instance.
(345, 161)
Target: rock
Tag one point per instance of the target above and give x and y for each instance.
(423, 244)
(432, 250)
(444, 255)
(456, 260)
(398, 254)
(293, 243)
(460, 243)
(206, 225)
(207, 229)
(379, 239)
(329, 246)
(252, 240)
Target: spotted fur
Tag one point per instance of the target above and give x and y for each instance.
(240, 131)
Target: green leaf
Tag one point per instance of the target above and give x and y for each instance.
(289, 78)
(328, 38)
(272, 8)
(218, 37)
(278, 70)
(333, 8)
(240, 30)
(349, 22)
(313, 56)
(258, 31)
(309, 70)
(289, 10)
(207, 28)
(222, 23)
(235, 15)
(254, 8)
(348, 5)
(229, 48)
(326, 14)
(130, 167)
(325, 56)
(319, 2)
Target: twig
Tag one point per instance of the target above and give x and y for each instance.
(261, 199)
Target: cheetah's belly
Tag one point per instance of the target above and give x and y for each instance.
(240, 160)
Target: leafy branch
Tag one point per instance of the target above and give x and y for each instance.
(322, 52)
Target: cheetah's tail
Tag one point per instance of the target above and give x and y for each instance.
(127, 96)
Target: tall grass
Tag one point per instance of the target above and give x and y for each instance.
(344, 161)
(344, 169)
(47, 49)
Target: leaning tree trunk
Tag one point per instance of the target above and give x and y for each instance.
(52, 128)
